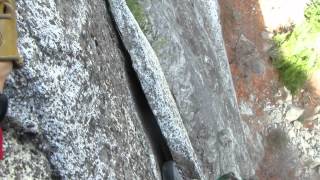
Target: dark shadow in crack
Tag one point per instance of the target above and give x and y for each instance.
(148, 120)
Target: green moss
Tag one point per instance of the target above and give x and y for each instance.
(144, 22)
(138, 12)
(297, 52)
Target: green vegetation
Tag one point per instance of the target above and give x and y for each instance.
(138, 12)
(298, 51)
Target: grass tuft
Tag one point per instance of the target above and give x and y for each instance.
(297, 52)
(138, 12)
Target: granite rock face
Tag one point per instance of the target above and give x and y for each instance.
(26, 161)
(156, 89)
(73, 96)
(74, 110)
(187, 38)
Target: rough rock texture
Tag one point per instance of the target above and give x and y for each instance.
(27, 160)
(248, 58)
(187, 38)
(72, 110)
(73, 95)
(155, 87)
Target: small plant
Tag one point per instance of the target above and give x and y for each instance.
(297, 53)
(138, 12)
(312, 13)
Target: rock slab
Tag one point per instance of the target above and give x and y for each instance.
(73, 95)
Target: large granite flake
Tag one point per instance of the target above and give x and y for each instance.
(187, 38)
(156, 89)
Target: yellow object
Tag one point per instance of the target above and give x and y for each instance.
(8, 33)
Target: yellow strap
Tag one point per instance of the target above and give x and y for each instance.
(8, 34)
(1, 8)
(9, 58)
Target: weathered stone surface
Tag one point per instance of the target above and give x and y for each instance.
(22, 160)
(248, 58)
(156, 89)
(74, 103)
(293, 113)
(73, 94)
(187, 38)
